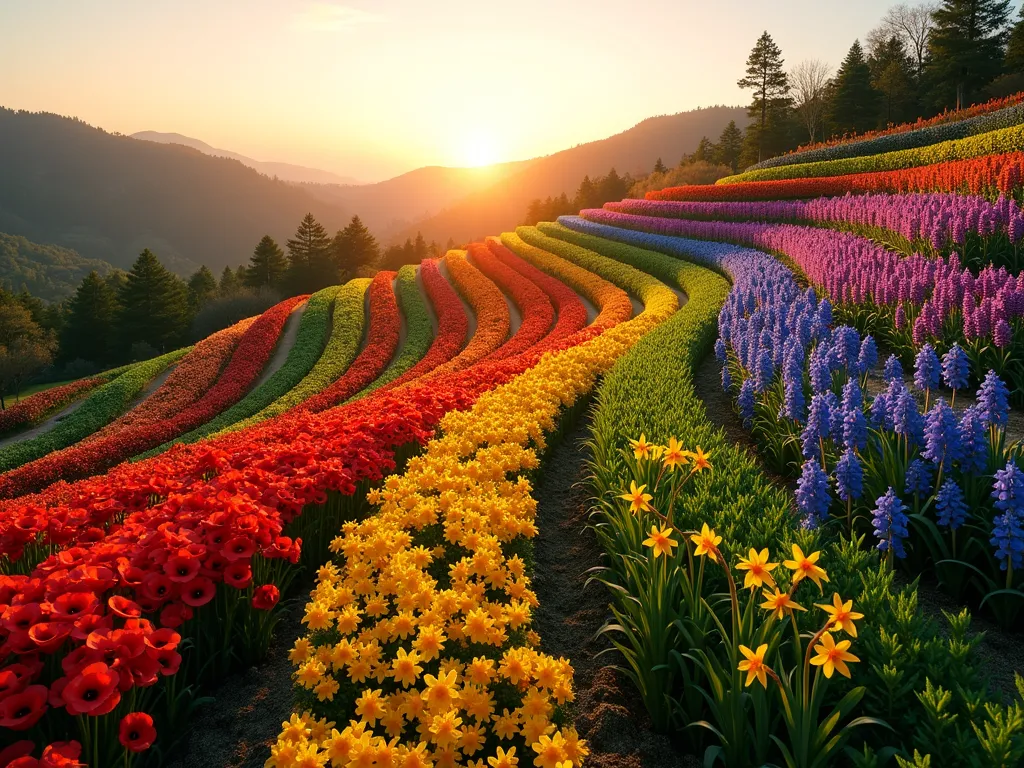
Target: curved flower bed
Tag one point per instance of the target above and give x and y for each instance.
(488, 305)
(419, 332)
(992, 143)
(920, 299)
(35, 408)
(570, 313)
(422, 644)
(247, 360)
(892, 141)
(95, 412)
(194, 375)
(537, 313)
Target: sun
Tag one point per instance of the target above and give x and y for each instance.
(477, 150)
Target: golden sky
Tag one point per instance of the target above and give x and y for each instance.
(371, 88)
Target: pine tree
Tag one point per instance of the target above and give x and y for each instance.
(355, 248)
(586, 196)
(965, 50)
(267, 265)
(892, 75)
(153, 306)
(88, 333)
(659, 167)
(202, 287)
(229, 284)
(419, 247)
(310, 266)
(611, 187)
(854, 107)
(730, 145)
(767, 79)
(1014, 61)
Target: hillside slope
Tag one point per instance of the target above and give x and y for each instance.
(503, 205)
(48, 271)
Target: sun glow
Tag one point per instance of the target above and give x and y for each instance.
(477, 150)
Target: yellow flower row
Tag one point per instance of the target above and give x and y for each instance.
(426, 619)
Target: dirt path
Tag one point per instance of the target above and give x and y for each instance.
(45, 426)
(470, 314)
(284, 345)
(608, 712)
(237, 728)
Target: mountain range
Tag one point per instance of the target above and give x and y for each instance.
(107, 196)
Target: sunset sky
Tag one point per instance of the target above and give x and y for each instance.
(373, 89)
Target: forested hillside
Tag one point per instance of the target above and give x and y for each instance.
(47, 271)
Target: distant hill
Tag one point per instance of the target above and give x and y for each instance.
(48, 271)
(283, 171)
(108, 196)
(503, 205)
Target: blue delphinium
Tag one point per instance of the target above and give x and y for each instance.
(973, 441)
(795, 406)
(994, 400)
(745, 401)
(1007, 536)
(845, 346)
(955, 367)
(835, 415)
(918, 478)
(907, 421)
(868, 357)
(819, 423)
(926, 368)
(849, 476)
(726, 378)
(812, 497)
(765, 371)
(890, 521)
(855, 426)
(821, 374)
(942, 435)
(893, 370)
(720, 350)
(950, 505)
(881, 413)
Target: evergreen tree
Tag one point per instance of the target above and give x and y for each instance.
(659, 167)
(767, 79)
(965, 50)
(892, 75)
(612, 187)
(730, 145)
(310, 266)
(202, 287)
(355, 248)
(854, 107)
(93, 309)
(420, 251)
(450, 245)
(153, 306)
(1014, 61)
(267, 265)
(586, 195)
(229, 284)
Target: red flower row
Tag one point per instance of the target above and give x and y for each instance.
(34, 407)
(537, 313)
(248, 360)
(989, 176)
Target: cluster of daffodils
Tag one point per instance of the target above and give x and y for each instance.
(420, 630)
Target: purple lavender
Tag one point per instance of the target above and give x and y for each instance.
(1007, 535)
(890, 521)
(950, 505)
(812, 497)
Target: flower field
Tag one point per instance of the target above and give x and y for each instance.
(766, 543)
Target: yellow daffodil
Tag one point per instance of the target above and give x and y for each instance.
(780, 602)
(661, 541)
(833, 656)
(804, 567)
(758, 569)
(638, 500)
(754, 664)
(707, 541)
(673, 455)
(641, 448)
(842, 615)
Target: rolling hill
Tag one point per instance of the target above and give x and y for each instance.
(48, 271)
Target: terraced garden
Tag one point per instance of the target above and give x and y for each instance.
(371, 486)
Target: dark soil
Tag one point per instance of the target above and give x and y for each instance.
(608, 712)
(237, 729)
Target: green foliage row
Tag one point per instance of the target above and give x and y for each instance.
(96, 411)
(925, 682)
(991, 143)
(419, 330)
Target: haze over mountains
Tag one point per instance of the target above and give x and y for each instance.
(108, 196)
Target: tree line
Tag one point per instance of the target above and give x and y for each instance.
(592, 193)
(917, 62)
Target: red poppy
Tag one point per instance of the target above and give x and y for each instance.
(157, 587)
(238, 548)
(70, 606)
(93, 691)
(238, 575)
(137, 733)
(169, 661)
(16, 750)
(20, 617)
(174, 615)
(198, 592)
(24, 762)
(163, 639)
(10, 682)
(49, 635)
(62, 754)
(123, 607)
(182, 568)
(265, 597)
(20, 711)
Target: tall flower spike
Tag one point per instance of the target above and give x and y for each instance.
(956, 368)
(812, 496)
(849, 476)
(926, 368)
(994, 401)
(950, 505)
(942, 435)
(1007, 533)
(890, 521)
(868, 357)
(745, 401)
(918, 478)
(819, 424)
(893, 370)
